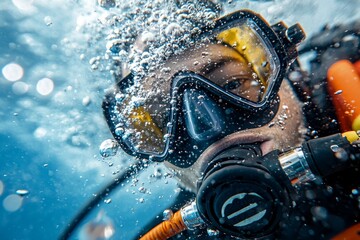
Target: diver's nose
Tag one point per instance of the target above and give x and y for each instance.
(203, 117)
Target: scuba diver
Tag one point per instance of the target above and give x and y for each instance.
(256, 148)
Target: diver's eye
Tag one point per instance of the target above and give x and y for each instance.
(244, 87)
(232, 85)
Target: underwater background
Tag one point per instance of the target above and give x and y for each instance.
(54, 73)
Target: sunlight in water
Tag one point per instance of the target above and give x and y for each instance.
(13, 72)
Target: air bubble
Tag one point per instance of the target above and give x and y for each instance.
(119, 131)
(101, 227)
(1, 187)
(165, 70)
(339, 152)
(48, 20)
(20, 88)
(107, 201)
(310, 194)
(212, 232)
(167, 214)
(254, 83)
(314, 133)
(108, 148)
(22, 192)
(86, 101)
(157, 173)
(106, 3)
(119, 97)
(229, 111)
(142, 189)
(138, 101)
(13, 72)
(12, 203)
(173, 29)
(295, 76)
(147, 37)
(45, 86)
(319, 212)
(201, 97)
(334, 148)
(40, 132)
(342, 155)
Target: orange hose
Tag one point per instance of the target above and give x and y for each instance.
(166, 229)
(344, 88)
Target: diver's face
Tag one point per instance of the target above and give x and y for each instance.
(283, 131)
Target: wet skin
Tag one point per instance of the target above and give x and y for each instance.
(284, 131)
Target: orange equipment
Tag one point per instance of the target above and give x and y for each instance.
(344, 88)
(357, 67)
(166, 229)
(351, 233)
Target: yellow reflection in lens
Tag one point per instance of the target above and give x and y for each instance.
(248, 44)
(149, 137)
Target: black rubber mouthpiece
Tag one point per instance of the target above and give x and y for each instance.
(239, 196)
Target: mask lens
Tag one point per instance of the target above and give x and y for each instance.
(252, 71)
(145, 135)
(136, 127)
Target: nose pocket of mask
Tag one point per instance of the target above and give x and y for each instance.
(203, 118)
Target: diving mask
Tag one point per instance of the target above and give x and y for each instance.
(226, 83)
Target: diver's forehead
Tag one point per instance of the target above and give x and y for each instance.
(195, 59)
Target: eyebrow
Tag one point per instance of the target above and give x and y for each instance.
(208, 68)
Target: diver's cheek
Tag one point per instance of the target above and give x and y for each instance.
(187, 177)
(289, 121)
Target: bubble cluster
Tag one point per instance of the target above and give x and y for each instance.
(145, 33)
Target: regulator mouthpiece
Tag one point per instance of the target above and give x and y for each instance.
(239, 196)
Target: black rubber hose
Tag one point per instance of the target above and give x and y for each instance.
(130, 171)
